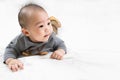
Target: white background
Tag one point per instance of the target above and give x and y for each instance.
(86, 24)
(89, 27)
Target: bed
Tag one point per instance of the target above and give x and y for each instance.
(83, 65)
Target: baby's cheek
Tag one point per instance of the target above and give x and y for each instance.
(51, 31)
(51, 28)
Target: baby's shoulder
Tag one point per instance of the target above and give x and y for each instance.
(19, 37)
(56, 38)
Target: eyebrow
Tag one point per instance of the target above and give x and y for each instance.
(40, 22)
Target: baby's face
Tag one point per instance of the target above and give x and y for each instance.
(40, 28)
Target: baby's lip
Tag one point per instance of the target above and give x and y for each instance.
(46, 35)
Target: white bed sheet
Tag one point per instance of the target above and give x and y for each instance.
(83, 65)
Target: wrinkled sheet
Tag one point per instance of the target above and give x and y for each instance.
(82, 65)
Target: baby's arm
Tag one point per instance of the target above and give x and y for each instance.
(60, 49)
(12, 52)
(14, 64)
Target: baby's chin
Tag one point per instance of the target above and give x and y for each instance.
(39, 41)
(44, 40)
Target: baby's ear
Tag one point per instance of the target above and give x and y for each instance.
(55, 24)
(25, 32)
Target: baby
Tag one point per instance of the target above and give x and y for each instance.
(37, 37)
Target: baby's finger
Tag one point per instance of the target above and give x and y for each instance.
(9, 66)
(52, 56)
(14, 67)
(20, 65)
(55, 56)
(59, 57)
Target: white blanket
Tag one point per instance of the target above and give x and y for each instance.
(86, 65)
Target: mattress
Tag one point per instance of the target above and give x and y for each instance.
(82, 65)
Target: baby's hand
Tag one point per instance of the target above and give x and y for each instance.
(14, 64)
(58, 54)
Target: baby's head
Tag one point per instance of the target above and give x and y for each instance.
(35, 23)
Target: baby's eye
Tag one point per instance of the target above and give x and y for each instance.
(48, 23)
(41, 26)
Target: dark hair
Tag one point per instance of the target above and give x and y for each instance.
(23, 13)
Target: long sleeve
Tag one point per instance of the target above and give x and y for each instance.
(13, 49)
(59, 44)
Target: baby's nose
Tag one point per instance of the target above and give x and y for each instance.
(47, 29)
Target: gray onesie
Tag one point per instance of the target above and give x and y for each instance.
(22, 44)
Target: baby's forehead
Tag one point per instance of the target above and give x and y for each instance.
(32, 10)
(30, 13)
